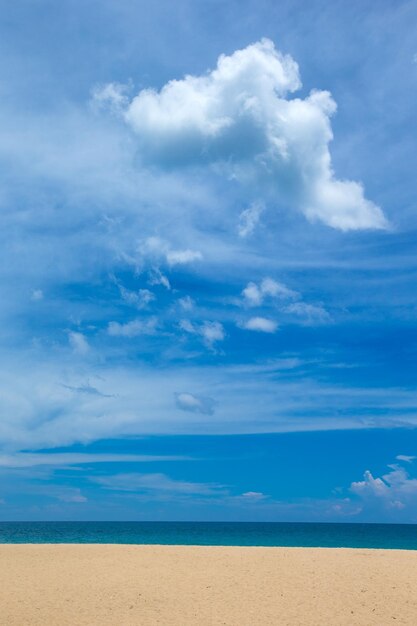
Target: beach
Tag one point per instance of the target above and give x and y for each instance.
(183, 585)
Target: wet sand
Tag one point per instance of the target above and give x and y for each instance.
(205, 586)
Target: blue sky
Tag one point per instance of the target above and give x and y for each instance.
(208, 260)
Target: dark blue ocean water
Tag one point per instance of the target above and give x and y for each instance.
(397, 536)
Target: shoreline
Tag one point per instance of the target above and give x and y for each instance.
(103, 584)
(201, 545)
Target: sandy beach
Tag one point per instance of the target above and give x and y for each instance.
(181, 585)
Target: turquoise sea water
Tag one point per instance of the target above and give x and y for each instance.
(394, 536)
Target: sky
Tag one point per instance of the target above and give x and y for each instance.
(208, 260)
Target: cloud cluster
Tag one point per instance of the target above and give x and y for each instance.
(240, 118)
(395, 490)
(288, 301)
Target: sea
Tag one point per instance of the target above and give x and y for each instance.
(325, 535)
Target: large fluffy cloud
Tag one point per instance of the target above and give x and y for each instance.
(241, 119)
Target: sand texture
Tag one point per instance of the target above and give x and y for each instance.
(145, 585)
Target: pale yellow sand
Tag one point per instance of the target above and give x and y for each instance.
(144, 585)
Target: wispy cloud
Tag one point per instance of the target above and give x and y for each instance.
(181, 257)
(210, 332)
(59, 459)
(114, 96)
(308, 313)
(39, 411)
(405, 457)
(139, 299)
(88, 389)
(78, 343)
(155, 484)
(249, 219)
(133, 328)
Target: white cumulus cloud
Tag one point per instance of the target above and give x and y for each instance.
(240, 118)
(260, 324)
(394, 490)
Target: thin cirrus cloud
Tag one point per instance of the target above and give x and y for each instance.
(309, 314)
(157, 483)
(241, 118)
(25, 459)
(39, 411)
